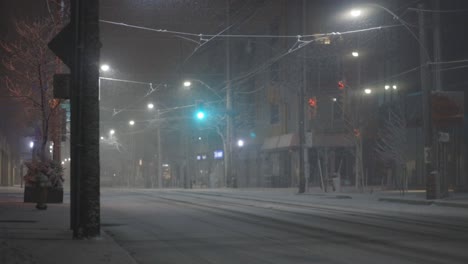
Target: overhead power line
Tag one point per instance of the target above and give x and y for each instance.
(439, 11)
(201, 36)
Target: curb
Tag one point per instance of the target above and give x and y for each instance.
(406, 201)
(424, 202)
(451, 204)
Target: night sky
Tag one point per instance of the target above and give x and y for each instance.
(159, 58)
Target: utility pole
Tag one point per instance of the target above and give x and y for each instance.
(301, 105)
(77, 45)
(85, 118)
(431, 192)
(229, 113)
(441, 177)
(158, 139)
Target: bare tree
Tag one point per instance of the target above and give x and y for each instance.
(392, 142)
(30, 67)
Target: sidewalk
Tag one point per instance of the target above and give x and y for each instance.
(371, 194)
(415, 197)
(28, 235)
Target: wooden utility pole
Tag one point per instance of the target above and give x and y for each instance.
(228, 171)
(426, 110)
(301, 109)
(159, 150)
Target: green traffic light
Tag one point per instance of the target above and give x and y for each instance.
(200, 115)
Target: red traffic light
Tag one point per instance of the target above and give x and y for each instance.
(312, 102)
(341, 85)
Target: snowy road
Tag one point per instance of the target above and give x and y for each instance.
(209, 227)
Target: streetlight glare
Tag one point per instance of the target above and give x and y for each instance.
(112, 132)
(240, 143)
(102, 138)
(31, 144)
(394, 87)
(105, 67)
(355, 54)
(355, 13)
(150, 106)
(387, 87)
(367, 91)
(187, 84)
(131, 122)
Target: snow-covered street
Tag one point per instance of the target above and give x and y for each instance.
(224, 226)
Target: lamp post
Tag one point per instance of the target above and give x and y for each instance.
(105, 67)
(429, 164)
(150, 107)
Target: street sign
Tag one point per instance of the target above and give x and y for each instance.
(62, 86)
(444, 137)
(427, 155)
(447, 109)
(62, 45)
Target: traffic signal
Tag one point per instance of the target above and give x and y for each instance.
(312, 102)
(200, 113)
(341, 85)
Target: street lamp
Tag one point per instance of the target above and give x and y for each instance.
(387, 87)
(150, 106)
(240, 143)
(131, 122)
(355, 12)
(394, 87)
(187, 84)
(112, 132)
(105, 67)
(367, 91)
(31, 144)
(355, 54)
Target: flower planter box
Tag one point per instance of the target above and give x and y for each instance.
(54, 195)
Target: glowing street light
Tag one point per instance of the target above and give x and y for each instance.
(387, 87)
(367, 91)
(187, 84)
(131, 122)
(112, 132)
(105, 67)
(31, 144)
(240, 143)
(355, 54)
(394, 87)
(150, 106)
(102, 138)
(355, 12)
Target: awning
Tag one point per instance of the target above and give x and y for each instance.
(291, 140)
(285, 141)
(288, 141)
